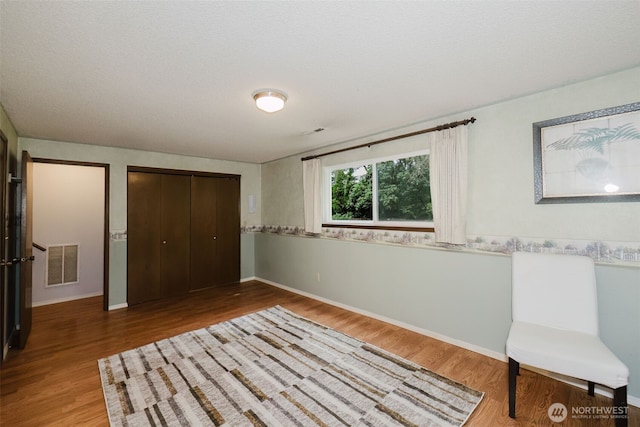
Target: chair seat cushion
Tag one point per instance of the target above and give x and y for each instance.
(575, 354)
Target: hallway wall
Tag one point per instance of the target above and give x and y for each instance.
(68, 209)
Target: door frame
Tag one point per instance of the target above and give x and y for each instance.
(4, 271)
(106, 239)
(25, 252)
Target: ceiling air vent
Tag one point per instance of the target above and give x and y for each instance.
(311, 132)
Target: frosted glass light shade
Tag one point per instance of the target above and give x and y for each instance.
(269, 100)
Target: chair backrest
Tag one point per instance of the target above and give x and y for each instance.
(558, 291)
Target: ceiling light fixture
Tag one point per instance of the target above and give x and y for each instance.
(269, 100)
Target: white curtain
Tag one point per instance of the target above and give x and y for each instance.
(312, 183)
(448, 174)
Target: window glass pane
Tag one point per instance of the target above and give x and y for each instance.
(403, 190)
(351, 193)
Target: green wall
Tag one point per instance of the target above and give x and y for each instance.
(465, 295)
(462, 296)
(454, 294)
(118, 160)
(501, 196)
(247, 254)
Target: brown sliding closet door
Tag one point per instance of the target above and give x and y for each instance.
(143, 229)
(183, 232)
(215, 231)
(158, 236)
(175, 256)
(204, 233)
(228, 230)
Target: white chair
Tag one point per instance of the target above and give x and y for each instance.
(555, 325)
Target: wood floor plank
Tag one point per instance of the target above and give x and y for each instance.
(54, 381)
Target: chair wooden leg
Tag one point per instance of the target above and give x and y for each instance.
(514, 370)
(592, 388)
(620, 406)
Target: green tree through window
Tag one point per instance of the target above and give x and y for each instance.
(403, 190)
(351, 191)
(402, 193)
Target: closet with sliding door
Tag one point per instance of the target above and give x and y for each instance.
(183, 232)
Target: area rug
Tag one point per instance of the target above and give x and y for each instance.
(276, 368)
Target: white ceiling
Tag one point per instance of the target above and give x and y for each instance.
(177, 77)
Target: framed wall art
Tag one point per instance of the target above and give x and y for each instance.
(588, 157)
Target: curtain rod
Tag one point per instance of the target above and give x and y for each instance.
(393, 138)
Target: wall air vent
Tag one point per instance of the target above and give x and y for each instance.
(62, 264)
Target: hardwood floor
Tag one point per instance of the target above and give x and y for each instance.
(55, 380)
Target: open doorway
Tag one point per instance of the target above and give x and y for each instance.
(71, 221)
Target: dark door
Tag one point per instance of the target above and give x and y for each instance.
(204, 240)
(183, 233)
(228, 230)
(4, 232)
(143, 236)
(215, 231)
(26, 248)
(158, 224)
(175, 229)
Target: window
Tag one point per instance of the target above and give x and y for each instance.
(392, 192)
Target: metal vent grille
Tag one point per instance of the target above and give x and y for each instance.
(62, 264)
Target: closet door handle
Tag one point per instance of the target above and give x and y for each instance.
(164, 242)
(215, 237)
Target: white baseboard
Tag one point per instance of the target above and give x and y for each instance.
(632, 400)
(440, 337)
(66, 299)
(76, 297)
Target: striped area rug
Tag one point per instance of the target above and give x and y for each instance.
(275, 368)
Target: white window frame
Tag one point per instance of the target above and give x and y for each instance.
(327, 199)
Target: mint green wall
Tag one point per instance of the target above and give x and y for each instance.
(501, 199)
(619, 310)
(247, 256)
(466, 295)
(118, 160)
(463, 296)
